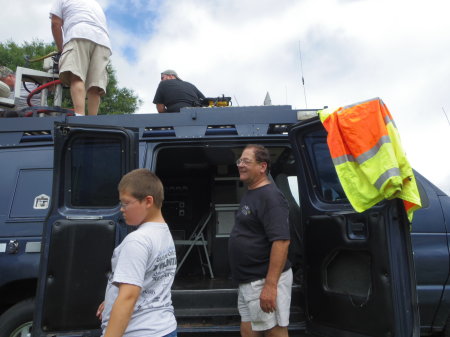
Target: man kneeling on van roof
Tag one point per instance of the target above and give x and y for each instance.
(173, 93)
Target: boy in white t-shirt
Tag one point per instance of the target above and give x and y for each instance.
(138, 299)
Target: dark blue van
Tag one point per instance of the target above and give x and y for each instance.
(60, 221)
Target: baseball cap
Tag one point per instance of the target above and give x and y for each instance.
(5, 71)
(170, 72)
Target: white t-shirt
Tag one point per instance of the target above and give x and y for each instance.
(146, 258)
(21, 101)
(82, 19)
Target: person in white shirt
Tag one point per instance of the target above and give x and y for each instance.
(138, 300)
(81, 36)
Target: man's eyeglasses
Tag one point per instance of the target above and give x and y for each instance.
(124, 205)
(244, 162)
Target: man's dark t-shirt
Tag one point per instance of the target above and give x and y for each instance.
(176, 94)
(263, 217)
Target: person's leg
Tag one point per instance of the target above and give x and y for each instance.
(277, 331)
(246, 330)
(78, 94)
(284, 290)
(93, 96)
(254, 322)
(97, 76)
(73, 66)
(246, 325)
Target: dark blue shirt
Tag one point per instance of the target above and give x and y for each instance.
(263, 217)
(176, 94)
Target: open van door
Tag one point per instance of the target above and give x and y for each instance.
(83, 226)
(359, 274)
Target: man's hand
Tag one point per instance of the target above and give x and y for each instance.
(278, 256)
(100, 309)
(160, 107)
(268, 298)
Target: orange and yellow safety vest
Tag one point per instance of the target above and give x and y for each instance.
(366, 150)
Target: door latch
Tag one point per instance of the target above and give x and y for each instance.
(12, 247)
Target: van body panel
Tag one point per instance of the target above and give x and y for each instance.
(213, 137)
(431, 246)
(28, 176)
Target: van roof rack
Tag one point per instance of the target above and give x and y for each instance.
(189, 123)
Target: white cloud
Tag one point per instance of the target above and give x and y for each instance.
(351, 51)
(24, 20)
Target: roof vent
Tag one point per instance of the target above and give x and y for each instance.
(221, 130)
(36, 136)
(161, 131)
(278, 129)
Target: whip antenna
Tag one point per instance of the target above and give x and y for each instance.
(236, 100)
(301, 70)
(446, 115)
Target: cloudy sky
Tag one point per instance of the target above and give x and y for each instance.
(346, 50)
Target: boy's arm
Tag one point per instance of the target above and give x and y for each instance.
(122, 309)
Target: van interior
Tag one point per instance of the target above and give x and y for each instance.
(202, 193)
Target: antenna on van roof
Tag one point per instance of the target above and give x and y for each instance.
(236, 100)
(301, 70)
(446, 115)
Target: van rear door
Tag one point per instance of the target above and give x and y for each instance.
(359, 275)
(83, 226)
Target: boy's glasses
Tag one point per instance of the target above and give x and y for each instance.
(124, 205)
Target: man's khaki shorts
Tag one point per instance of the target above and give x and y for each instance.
(87, 60)
(250, 309)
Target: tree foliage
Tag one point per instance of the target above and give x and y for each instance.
(13, 55)
(116, 100)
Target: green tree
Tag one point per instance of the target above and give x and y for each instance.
(116, 101)
(13, 55)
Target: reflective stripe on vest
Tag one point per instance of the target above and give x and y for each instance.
(365, 147)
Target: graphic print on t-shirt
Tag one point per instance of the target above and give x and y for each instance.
(246, 210)
(162, 274)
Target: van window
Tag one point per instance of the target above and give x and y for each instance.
(323, 171)
(293, 185)
(96, 169)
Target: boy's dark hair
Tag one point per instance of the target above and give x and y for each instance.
(141, 183)
(261, 154)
